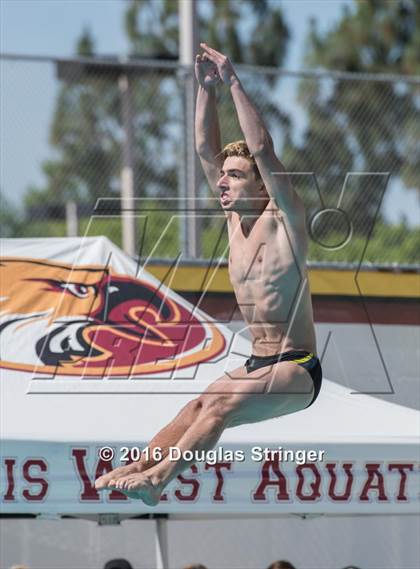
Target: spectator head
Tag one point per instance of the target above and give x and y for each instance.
(281, 565)
(196, 566)
(118, 564)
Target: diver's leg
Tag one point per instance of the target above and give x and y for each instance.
(165, 438)
(248, 398)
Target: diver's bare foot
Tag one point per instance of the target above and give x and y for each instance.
(103, 482)
(141, 486)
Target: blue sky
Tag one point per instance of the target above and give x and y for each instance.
(52, 27)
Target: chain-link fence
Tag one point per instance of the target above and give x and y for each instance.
(74, 131)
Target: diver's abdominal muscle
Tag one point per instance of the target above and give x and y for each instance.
(266, 303)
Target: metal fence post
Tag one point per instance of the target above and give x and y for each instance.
(127, 169)
(72, 220)
(188, 45)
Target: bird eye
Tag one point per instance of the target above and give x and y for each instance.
(79, 290)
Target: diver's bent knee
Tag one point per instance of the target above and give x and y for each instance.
(195, 404)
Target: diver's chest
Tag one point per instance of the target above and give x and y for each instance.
(252, 257)
(246, 262)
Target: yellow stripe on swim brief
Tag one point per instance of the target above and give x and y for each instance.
(303, 360)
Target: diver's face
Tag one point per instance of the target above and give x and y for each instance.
(239, 185)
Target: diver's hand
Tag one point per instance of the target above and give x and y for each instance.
(206, 71)
(224, 67)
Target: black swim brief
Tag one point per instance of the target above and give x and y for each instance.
(306, 359)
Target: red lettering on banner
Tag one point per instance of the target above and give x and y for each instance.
(333, 480)
(371, 484)
(9, 496)
(280, 482)
(89, 491)
(401, 469)
(41, 464)
(103, 467)
(314, 485)
(218, 494)
(194, 483)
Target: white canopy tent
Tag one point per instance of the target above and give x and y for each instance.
(54, 421)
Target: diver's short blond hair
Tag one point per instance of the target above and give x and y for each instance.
(240, 148)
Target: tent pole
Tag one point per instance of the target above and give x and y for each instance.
(161, 543)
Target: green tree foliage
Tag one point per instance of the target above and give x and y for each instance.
(10, 218)
(251, 31)
(358, 125)
(82, 134)
(86, 131)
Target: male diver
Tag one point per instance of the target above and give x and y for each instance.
(267, 267)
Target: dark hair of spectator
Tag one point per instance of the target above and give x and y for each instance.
(281, 565)
(118, 564)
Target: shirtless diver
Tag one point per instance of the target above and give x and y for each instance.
(267, 267)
